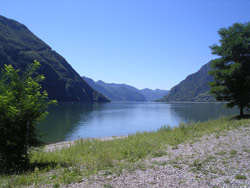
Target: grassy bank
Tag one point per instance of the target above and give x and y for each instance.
(88, 157)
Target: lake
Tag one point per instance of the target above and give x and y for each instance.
(70, 121)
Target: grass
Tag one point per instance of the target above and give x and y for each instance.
(197, 165)
(88, 157)
(240, 177)
(227, 181)
(221, 153)
(233, 152)
(247, 150)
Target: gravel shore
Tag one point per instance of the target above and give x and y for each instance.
(217, 160)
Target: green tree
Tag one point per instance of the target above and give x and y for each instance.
(22, 106)
(231, 70)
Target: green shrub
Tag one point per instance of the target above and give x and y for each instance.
(22, 106)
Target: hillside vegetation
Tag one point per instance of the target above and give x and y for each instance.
(20, 47)
(194, 88)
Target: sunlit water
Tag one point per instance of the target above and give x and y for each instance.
(70, 121)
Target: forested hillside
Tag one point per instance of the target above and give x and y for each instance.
(194, 88)
(20, 47)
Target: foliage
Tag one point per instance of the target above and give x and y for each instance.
(231, 70)
(89, 156)
(194, 88)
(22, 106)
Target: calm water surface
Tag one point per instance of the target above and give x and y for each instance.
(70, 121)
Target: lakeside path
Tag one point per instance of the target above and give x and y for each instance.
(216, 160)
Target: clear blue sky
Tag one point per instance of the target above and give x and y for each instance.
(144, 43)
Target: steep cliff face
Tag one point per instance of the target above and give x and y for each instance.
(20, 47)
(194, 88)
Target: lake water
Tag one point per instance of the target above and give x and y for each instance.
(70, 121)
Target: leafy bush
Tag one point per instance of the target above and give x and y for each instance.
(22, 106)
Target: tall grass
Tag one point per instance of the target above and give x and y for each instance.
(86, 157)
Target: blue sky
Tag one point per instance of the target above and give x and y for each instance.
(144, 43)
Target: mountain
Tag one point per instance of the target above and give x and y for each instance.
(98, 88)
(116, 92)
(193, 89)
(152, 95)
(20, 47)
(123, 92)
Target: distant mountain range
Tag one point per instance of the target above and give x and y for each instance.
(194, 88)
(123, 92)
(152, 95)
(20, 47)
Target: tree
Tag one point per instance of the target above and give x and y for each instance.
(22, 106)
(231, 70)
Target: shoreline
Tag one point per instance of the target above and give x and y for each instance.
(65, 144)
(210, 154)
(219, 159)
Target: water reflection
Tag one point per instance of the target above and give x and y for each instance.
(63, 118)
(122, 118)
(69, 121)
(189, 112)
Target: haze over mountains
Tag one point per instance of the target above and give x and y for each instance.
(123, 92)
(20, 47)
(194, 88)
